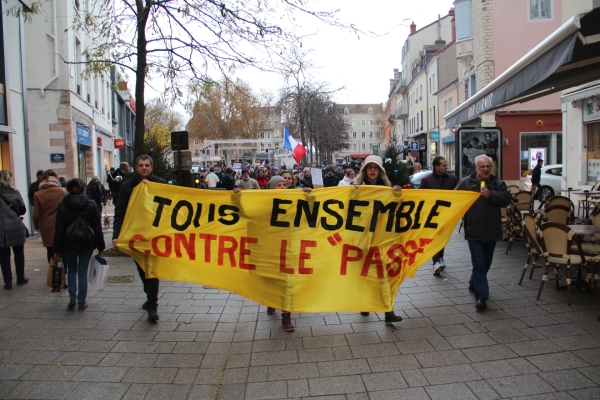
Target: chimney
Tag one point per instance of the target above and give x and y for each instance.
(453, 22)
(413, 28)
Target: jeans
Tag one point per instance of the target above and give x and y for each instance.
(482, 253)
(79, 263)
(19, 263)
(150, 288)
(437, 257)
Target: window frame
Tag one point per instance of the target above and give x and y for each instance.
(538, 4)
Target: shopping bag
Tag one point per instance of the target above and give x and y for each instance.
(55, 280)
(98, 273)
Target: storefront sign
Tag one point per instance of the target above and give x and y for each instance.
(84, 135)
(119, 143)
(57, 157)
(591, 110)
(435, 135)
(99, 141)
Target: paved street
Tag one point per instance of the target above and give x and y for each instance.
(214, 344)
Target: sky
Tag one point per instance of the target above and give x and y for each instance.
(362, 66)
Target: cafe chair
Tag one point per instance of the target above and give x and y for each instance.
(556, 213)
(583, 205)
(514, 189)
(534, 250)
(556, 241)
(560, 201)
(592, 248)
(523, 201)
(514, 227)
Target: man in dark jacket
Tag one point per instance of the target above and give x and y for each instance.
(330, 179)
(95, 191)
(143, 171)
(536, 177)
(439, 179)
(34, 187)
(119, 176)
(228, 179)
(483, 224)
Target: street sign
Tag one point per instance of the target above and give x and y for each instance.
(57, 157)
(336, 148)
(414, 145)
(435, 135)
(414, 153)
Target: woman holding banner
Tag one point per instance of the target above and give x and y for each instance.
(373, 173)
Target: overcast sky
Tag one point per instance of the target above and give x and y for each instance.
(363, 66)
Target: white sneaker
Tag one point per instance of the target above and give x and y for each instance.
(437, 268)
(443, 262)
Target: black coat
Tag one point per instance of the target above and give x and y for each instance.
(95, 191)
(227, 182)
(68, 209)
(123, 200)
(329, 181)
(536, 174)
(435, 181)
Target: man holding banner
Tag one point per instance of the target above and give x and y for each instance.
(143, 172)
(483, 224)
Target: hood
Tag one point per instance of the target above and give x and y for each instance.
(76, 202)
(51, 182)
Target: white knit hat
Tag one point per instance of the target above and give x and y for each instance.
(375, 160)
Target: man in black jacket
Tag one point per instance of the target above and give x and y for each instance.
(34, 187)
(228, 179)
(483, 224)
(441, 180)
(143, 171)
(95, 191)
(536, 177)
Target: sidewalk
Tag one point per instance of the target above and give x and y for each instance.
(214, 344)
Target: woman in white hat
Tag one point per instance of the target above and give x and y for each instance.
(373, 173)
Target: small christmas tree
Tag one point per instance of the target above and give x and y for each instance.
(397, 172)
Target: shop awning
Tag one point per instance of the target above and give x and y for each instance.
(568, 57)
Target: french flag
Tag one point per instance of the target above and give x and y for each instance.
(290, 143)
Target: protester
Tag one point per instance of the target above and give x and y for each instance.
(246, 182)
(289, 180)
(95, 191)
(228, 179)
(143, 172)
(296, 177)
(77, 251)
(306, 181)
(212, 179)
(34, 187)
(330, 179)
(348, 178)
(45, 204)
(418, 167)
(483, 224)
(261, 178)
(373, 173)
(119, 176)
(12, 231)
(411, 169)
(111, 184)
(63, 181)
(439, 179)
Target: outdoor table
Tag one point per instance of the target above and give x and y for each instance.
(569, 190)
(584, 229)
(587, 194)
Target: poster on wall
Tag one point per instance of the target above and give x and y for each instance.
(536, 154)
(473, 142)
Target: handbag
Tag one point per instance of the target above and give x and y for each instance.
(98, 273)
(10, 205)
(79, 231)
(55, 279)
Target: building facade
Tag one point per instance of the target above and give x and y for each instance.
(365, 128)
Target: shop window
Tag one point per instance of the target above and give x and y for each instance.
(593, 156)
(551, 141)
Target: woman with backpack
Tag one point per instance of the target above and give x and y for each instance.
(78, 232)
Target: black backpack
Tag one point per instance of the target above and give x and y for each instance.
(79, 231)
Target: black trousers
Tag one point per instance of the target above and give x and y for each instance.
(150, 288)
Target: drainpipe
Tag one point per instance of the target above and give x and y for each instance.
(25, 120)
(53, 37)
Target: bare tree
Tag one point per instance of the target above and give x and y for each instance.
(178, 40)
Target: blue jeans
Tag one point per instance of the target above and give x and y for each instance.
(482, 253)
(437, 257)
(79, 263)
(6, 265)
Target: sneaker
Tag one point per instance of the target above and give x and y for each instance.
(437, 268)
(443, 263)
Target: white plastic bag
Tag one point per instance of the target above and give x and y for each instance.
(98, 273)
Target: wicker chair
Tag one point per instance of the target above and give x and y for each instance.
(556, 241)
(524, 200)
(514, 225)
(513, 189)
(583, 204)
(560, 201)
(534, 250)
(556, 213)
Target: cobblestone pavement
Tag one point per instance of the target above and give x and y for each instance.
(214, 344)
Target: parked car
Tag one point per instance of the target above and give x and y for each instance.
(416, 178)
(550, 180)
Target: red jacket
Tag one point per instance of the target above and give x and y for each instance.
(262, 181)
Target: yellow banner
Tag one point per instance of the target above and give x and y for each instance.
(334, 249)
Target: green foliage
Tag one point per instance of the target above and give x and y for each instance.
(397, 172)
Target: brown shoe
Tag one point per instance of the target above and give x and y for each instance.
(22, 281)
(82, 306)
(71, 304)
(8, 286)
(270, 311)
(286, 322)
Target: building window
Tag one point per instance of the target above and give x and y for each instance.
(240, 151)
(462, 16)
(417, 123)
(447, 105)
(353, 134)
(276, 134)
(196, 143)
(421, 119)
(421, 91)
(353, 122)
(540, 9)
(470, 86)
(346, 110)
(268, 135)
(262, 135)
(363, 122)
(364, 146)
(370, 134)
(552, 141)
(354, 146)
(369, 110)
(276, 124)
(262, 147)
(346, 122)
(216, 152)
(364, 134)
(196, 152)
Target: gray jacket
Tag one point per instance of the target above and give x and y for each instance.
(483, 221)
(12, 230)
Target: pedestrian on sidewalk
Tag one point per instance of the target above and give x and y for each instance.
(143, 172)
(96, 192)
(12, 231)
(483, 224)
(45, 204)
(35, 186)
(77, 251)
(439, 179)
